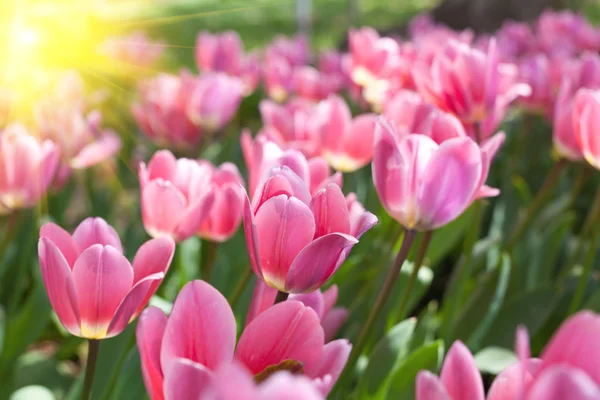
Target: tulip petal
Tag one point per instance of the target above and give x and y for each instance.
(429, 387)
(101, 149)
(263, 297)
(251, 234)
(330, 210)
(62, 240)
(163, 164)
(96, 231)
(153, 257)
(332, 363)
(187, 380)
(149, 333)
(60, 286)
(319, 172)
(511, 382)
(562, 382)
(102, 277)
(289, 387)
(286, 331)
(333, 321)
(194, 216)
(315, 264)
(163, 205)
(313, 300)
(201, 328)
(460, 375)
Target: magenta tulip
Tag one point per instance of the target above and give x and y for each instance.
(586, 124)
(177, 197)
(94, 290)
(27, 168)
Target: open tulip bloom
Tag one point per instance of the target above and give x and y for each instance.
(93, 288)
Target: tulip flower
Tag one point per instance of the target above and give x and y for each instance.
(515, 40)
(537, 72)
(301, 259)
(177, 197)
(135, 49)
(311, 84)
(459, 379)
(294, 51)
(27, 168)
(94, 290)
(336, 66)
(278, 78)
(161, 112)
(332, 318)
(347, 144)
(261, 154)
(225, 214)
(565, 33)
(565, 141)
(201, 333)
(424, 185)
(407, 111)
(220, 52)
(371, 55)
(586, 124)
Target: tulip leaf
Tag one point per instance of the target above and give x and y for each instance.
(402, 382)
(34, 392)
(446, 238)
(129, 383)
(387, 355)
(493, 360)
(2, 328)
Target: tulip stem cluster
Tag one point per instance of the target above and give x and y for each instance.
(93, 349)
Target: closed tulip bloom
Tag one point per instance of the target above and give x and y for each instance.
(563, 131)
(347, 144)
(93, 288)
(27, 168)
(214, 100)
(586, 124)
(459, 378)
(176, 195)
(297, 241)
(222, 52)
(225, 214)
(201, 333)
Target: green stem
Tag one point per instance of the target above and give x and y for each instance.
(413, 275)
(384, 294)
(281, 296)
(208, 260)
(240, 287)
(90, 368)
(538, 201)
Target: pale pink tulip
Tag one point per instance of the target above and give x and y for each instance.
(459, 378)
(136, 49)
(93, 288)
(424, 185)
(301, 259)
(161, 111)
(201, 333)
(27, 168)
(214, 100)
(586, 124)
(176, 195)
(347, 144)
(225, 214)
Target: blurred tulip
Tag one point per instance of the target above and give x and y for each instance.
(94, 290)
(136, 49)
(424, 185)
(565, 141)
(347, 144)
(309, 83)
(177, 196)
(536, 71)
(27, 168)
(161, 111)
(586, 124)
(225, 214)
(201, 333)
(336, 66)
(459, 378)
(294, 51)
(408, 112)
(563, 33)
(371, 55)
(214, 101)
(278, 78)
(301, 259)
(515, 40)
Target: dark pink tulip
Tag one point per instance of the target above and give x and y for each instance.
(177, 196)
(214, 100)
(135, 49)
(347, 144)
(161, 111)
(27, 168)
(225, 214)
(301, 259)
(459, 378)
(586, 124)
(94, 290)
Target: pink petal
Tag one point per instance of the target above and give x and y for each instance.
(315, 264)
(224, 217)
(62, 240)
(286, 331)
(201, 328)
(163, 164)
(332, 363)
(511, 382)
(191, 220)
(96, 231)
(295, 186)
(263, 297)
(94, 153)
(319, 172)
(460, 375)
(429, 387)
(330, 298)
(313, 300)
(289, 387)
(187, 380)
(59, 285)
(333, 321)
(358, 143)
(102, 277)
(251, 234)
(163, 205)
(330, 210)
(153, 257)
(336, 121)
(149, 333)
(562, 382)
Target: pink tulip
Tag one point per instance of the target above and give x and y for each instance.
(459, 378)
(201, 333)
(371, 55)
(135, 49)
(214, 100)
(347, 144)
(336, 66)
(27, 168)
(94, 290)
(301, 259)
(177, 197)
(565, 141)
(515, 40)
(332, 318)
(294, 51)
(537, 72)
(586, 124)
(261, 154)
(161, 112)
(225, 214)
(278, 78)
(311, 84)
(565, 33)
(424, 185)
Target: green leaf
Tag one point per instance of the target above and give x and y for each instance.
(446, 239)
(386, 355)
(2, 328)
(403, 380)
(129, 383)
(164, 305)
(33, 392)
(493, 360)
(593, 302)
